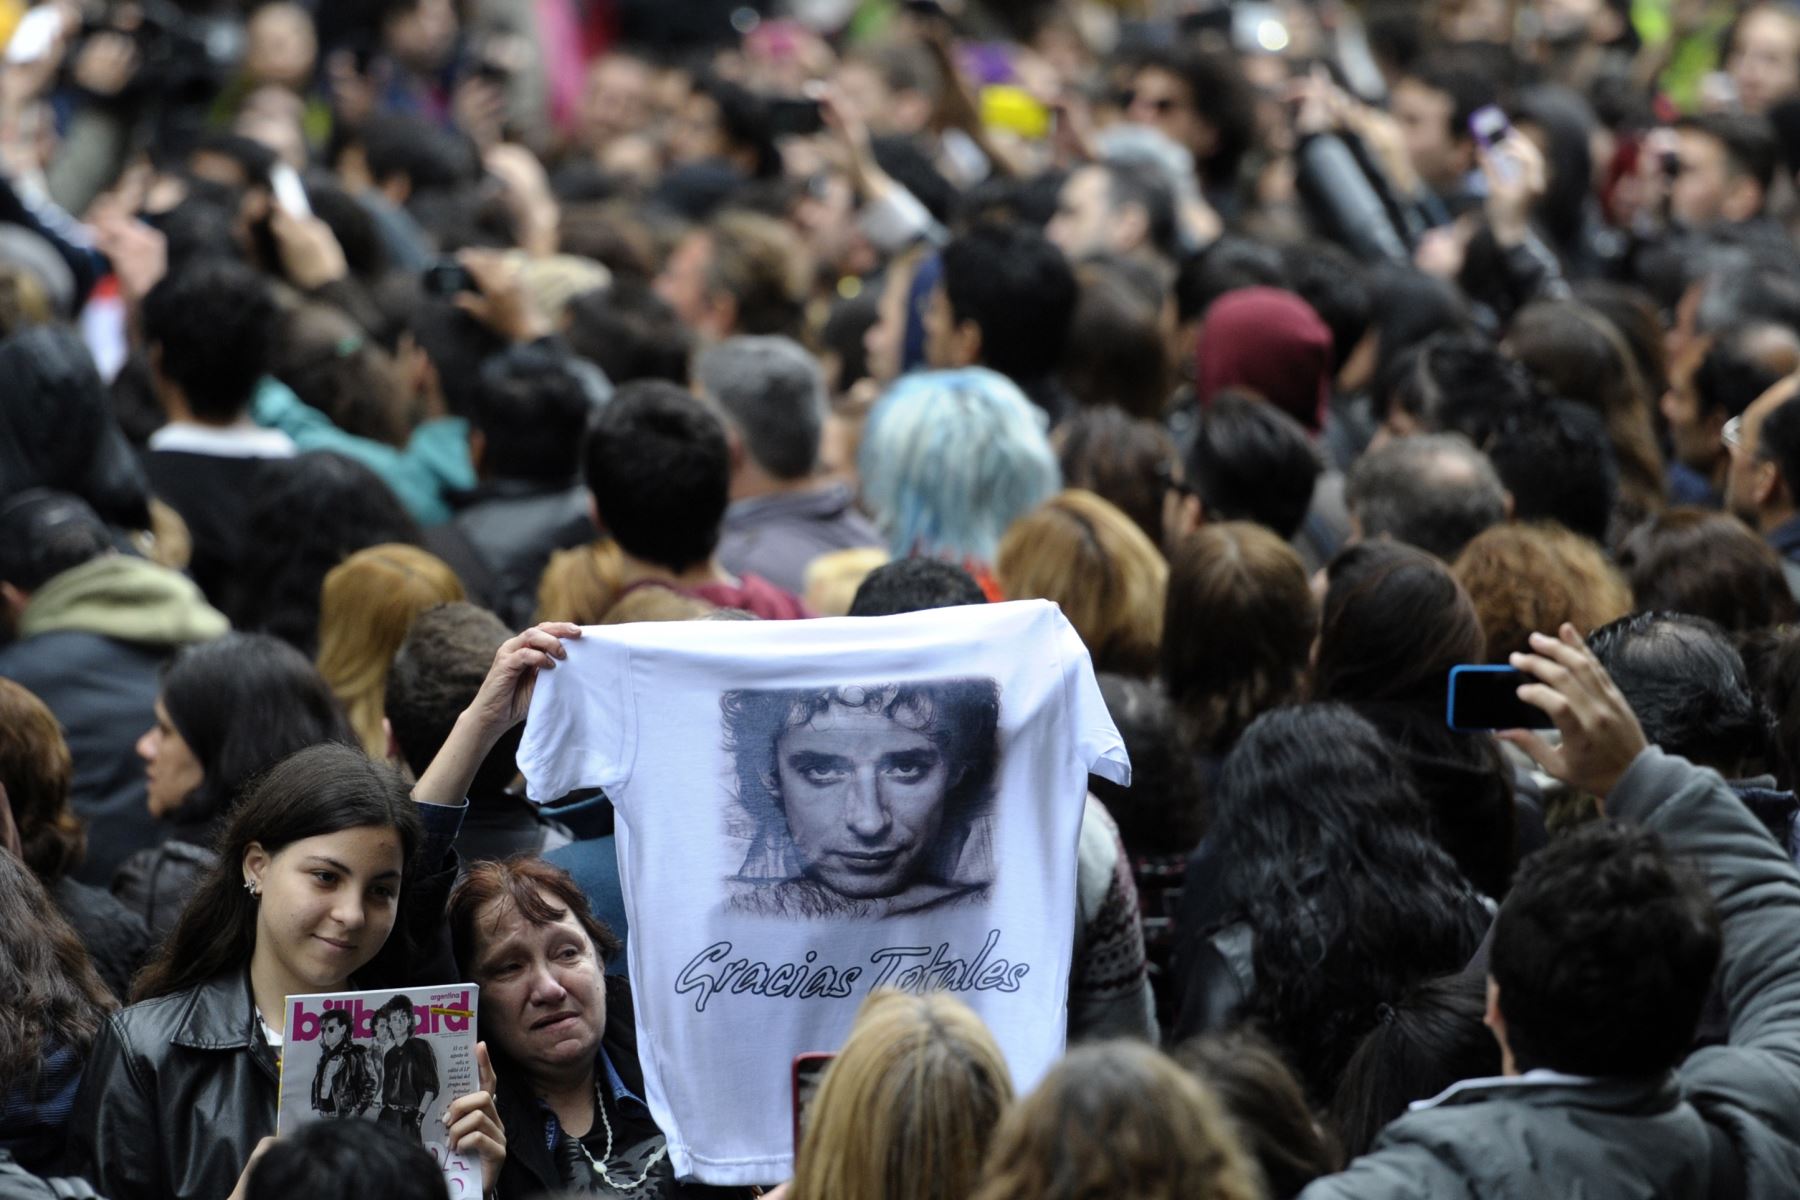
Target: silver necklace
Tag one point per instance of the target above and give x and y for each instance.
(600, 1166)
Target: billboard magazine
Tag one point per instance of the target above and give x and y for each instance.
(398, 1057)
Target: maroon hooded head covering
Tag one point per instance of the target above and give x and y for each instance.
(1272, 343)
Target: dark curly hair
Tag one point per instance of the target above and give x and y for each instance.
(960, 716)
(1220, 94)
(1395, 622)
(1328, 860)
(1604, 955)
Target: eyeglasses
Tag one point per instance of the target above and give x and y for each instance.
(1733, 433)
(1163, 105)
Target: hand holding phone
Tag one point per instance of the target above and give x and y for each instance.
(1488, 126)
(290, 193)
(446, 277)
(795, 116)
(1484, 699)
(1601, 736)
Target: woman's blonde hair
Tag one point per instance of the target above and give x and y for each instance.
(832, 579)
(1082, 552)
(655, 604)
(1117, 1119)
(581, 584)
(906, 1110)
(1526, 578)
(366, 605)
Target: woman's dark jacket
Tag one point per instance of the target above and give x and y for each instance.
(531, 1169)
(179, 1089)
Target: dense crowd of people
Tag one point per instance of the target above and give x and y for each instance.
(1302, 352)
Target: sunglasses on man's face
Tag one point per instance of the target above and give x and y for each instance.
(1164, 105)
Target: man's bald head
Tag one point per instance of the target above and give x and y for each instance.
(1435, 492)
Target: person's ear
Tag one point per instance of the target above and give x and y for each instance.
(1495, 1020)
(910, 109)
(1767, 483)
(9, 830)
(13, 601)
(1743, 198)
(393, 743)
(1130, 226)
(1181, 515)
(477, 449)
(420, 372)
(1508, 504)
(396, 189)
(721, 317)
(772, 785)
(1462, 149)
(965, 343)
(255, 866)
(594, 513)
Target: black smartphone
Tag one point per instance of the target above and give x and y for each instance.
(446, 277)
(808, 1070)
(1482, 699)
(794, 116)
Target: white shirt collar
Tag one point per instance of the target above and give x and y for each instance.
(1538, 1078)
(242, 440)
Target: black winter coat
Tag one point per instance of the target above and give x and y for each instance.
(531, 1169)
(179, 1089)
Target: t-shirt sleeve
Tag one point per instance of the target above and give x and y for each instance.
(1098, 745)
(581, 730)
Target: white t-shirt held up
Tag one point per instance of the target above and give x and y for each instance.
(810, 810)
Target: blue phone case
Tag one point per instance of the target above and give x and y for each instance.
(1450, 696)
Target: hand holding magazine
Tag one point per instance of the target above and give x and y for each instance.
(405, 1058)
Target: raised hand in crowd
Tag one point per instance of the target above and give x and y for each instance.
(1600, 734)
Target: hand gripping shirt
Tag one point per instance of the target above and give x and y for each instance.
(810, 810)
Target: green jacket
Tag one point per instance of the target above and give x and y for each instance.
(122, 597)
(1637, 1139)
(434, 461)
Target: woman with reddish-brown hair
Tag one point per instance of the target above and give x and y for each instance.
(35, 771)
(1526, 577)
(523, 931)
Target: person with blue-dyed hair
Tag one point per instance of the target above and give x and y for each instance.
(949, 459)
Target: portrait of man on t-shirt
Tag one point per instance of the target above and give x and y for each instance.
(866, 801)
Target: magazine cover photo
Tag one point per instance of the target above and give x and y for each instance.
(396, 1057)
